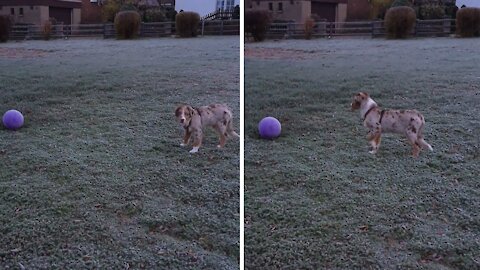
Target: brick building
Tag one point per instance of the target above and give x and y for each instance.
(300, 10)
(39, 11)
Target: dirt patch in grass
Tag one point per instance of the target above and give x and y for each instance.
(279, 53)
(96, 177)
(21, 53)
(316, 199)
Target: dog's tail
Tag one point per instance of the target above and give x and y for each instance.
(230, 130)
(420, 139)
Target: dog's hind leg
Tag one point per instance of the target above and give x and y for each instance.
(412, 137)
(221, 129)
(424, 144)
(230, 131)
(421, 141)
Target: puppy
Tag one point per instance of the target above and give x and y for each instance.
(194, 120)
(407, 122)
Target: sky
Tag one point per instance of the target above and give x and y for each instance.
(468, 3)
(202, 7)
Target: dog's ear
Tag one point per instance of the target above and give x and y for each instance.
(362, 95)
(178, 110)
(190, 110)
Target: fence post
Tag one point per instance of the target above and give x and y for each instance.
(203, 27)
(376, 26)
(447, 26)
(289, 30)
(104, 30)
(221, 30)
(373, 29)
(415, 31)
(29, 32)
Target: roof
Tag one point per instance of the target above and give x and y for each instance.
(54, 3)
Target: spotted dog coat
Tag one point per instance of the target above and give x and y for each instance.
(194, 120)
(407, 122)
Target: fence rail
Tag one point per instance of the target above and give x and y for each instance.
(423, 28)
(163, 29)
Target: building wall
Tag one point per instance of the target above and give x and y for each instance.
(76, 16)
(297, 10)
(341, 15)
(38, 14)
(91, 12)
(31, 14)
(359, 10)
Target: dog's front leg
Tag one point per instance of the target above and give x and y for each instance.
(186, 138)
(375, 137)
(197, 141)
(370, 135)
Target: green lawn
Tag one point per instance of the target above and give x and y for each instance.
(96, 178)
(316, 199)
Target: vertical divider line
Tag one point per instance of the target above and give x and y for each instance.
(242, 135)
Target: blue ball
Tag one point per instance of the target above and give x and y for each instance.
(269, 128)
(13, 119)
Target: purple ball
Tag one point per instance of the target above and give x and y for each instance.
(13, 119)
(269, 128)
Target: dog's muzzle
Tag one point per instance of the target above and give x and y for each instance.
(182, 121)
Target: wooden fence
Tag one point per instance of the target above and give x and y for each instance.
(163, 29)
(423, 28)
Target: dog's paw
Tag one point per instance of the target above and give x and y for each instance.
(219, 146)
(183, 144)
(194, 150)
(373, 152)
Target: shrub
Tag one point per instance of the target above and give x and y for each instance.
(378, 8)
(257, 23)
(186, 24)
(170, 13)
(401, 3)
(468, 22)
(47, 28)
(309, 26)
(5, 24)
(451, 10)
(154, 15)
(109, 9)
(399, 22)
(236, 13)
(128, 7)
(127, 24)
(431, 12)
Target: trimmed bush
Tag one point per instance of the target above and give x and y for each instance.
(47, 29)
(127, 24)
(468, 22)
(5, 24)
(309, 26)
(257, 23)
(399, 22)
(186, 24)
